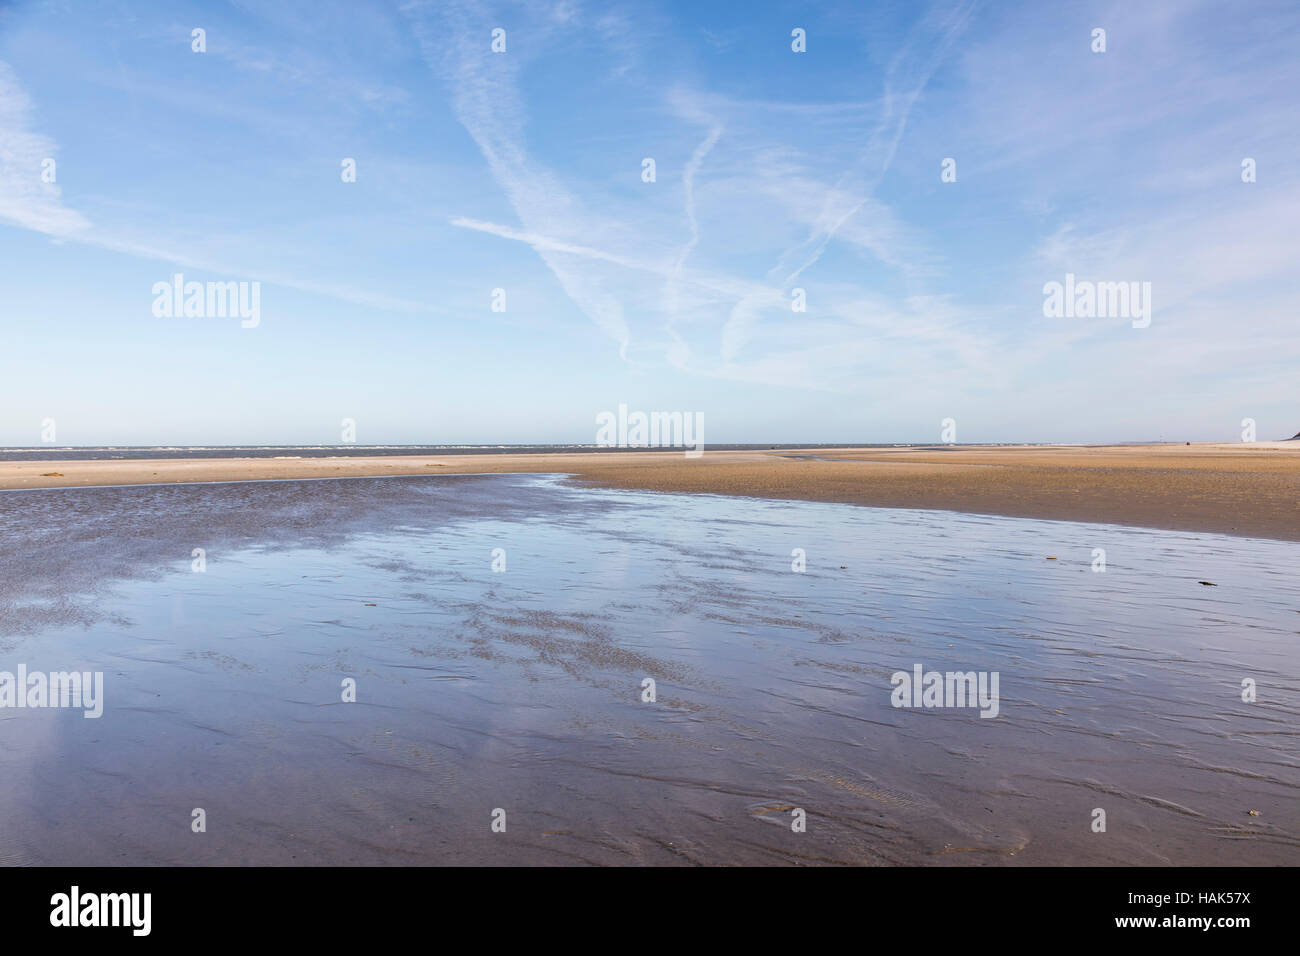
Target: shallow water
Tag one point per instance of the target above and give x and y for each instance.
(522, 689)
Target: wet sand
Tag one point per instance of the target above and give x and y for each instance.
(521, 688)
(1241, 489)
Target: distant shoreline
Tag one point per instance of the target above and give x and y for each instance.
(152, 452)
(1238, 488)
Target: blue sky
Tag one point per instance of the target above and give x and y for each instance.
(522, 170)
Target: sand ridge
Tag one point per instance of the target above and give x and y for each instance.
(1243, 489)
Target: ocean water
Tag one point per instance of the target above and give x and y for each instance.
(519, 694)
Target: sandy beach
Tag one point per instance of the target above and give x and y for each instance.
(1241, 489)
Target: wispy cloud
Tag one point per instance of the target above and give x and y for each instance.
(580, 247)
(25, 200)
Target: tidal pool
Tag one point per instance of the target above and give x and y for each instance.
(501, 633)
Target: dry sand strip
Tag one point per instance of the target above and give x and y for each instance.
(1244, 489)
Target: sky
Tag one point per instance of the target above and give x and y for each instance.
(782, 178)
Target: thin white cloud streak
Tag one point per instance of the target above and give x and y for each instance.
(679, 352)
(543, 243)
(722, 285)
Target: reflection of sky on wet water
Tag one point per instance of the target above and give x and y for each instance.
(521, 689)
